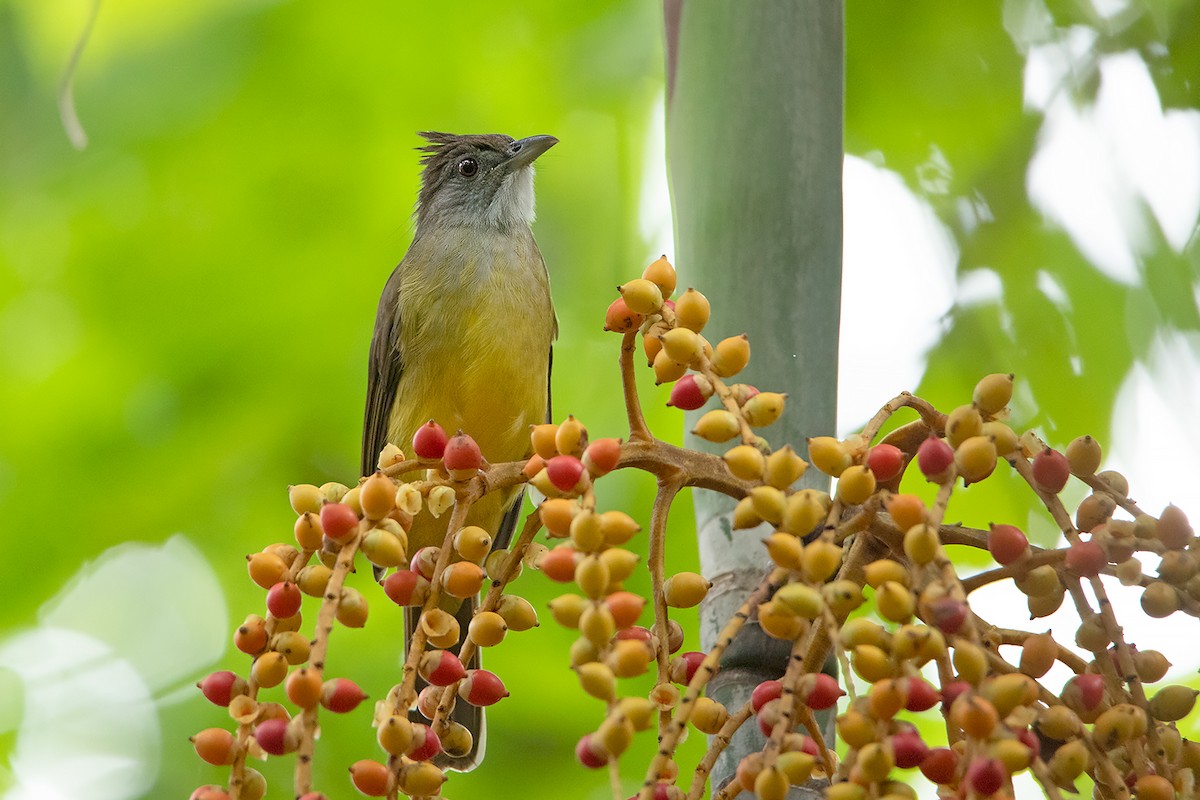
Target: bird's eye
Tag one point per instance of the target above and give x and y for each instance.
(468, 167)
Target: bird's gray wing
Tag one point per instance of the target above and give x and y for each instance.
(384, 368)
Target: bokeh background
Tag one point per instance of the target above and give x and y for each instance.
(185, 305)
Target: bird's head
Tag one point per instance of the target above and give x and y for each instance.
(483, 180)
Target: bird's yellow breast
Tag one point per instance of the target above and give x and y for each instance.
(476, 330)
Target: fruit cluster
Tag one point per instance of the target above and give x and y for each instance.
(862, 572)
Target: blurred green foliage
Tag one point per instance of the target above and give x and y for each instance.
(185, 306)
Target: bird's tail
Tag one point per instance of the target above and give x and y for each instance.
(465, 714)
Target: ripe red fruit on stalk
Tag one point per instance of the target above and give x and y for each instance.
(635, 633)
(950, 693)
(686, 394)
(619, 318)
(824, 693)
(338, 520)
(935, 457)
(1087, 689)
(1051, 470)
(601, 456)
(400, 585)
(441, 667)
(564, 472)
(922, 695)
(1007, 544)
(693, 660)
(271, 735)
(221, 687)
(482, 688)
(283, 600)
(429, 441)
(426, 743)
(885, 461)
(764, 693)
(462, 453)
(1086, 559)
(985, 775)
(948, 614)
(909, 749)
(589, 753)
(940, 765)
(341, 695)
(558, 563)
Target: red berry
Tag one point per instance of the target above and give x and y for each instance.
(636, 633)
(687, 395)
(885, 461)
(564, 472)
(1007, 544)
(482, 688)
(462, 453)
(429, 441)
(693, 661)
(341, 695)
(441, 668)
(909, 749)
(209, 792)
(271, 735)
(1028, 738)
(825, 692)
(221, 687)
(764, 693)
(922, 695)
(558, 563)
(283, 600)
(935, 457)
(426, 743)
(589, 753)
(602, 456)
(338, 520)
(986, 775)
(400, 586)
(948, 614)
(808, 745)
(1086, 559)
(619, 318)
(951, 691)
(1088, 687)
(940, 765)
(1050, 471)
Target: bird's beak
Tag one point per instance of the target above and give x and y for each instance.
(524, 152)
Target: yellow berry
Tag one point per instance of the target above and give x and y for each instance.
(1083, 455)
(975, 458)
(717, 426)
(685, 589)
(642, 296)
(993, 392)
(856, 484)
(305, 499)
(784, 467)
(692, 310)
(820, 561)
(746, 462)
(473, 543)
(962, 423)
(769, 503)
(731, 356)
(661, 274)
(828, 455)
(764, 408)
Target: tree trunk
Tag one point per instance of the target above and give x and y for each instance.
(754, 138)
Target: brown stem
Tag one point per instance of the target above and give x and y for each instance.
(638, 431)
(667, 490)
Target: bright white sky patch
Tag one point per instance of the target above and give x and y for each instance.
(1157, 425)
(897, 285)
(1096, 166)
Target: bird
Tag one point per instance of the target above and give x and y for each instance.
(464, 336)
